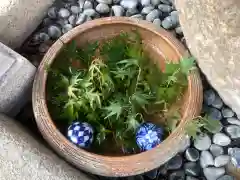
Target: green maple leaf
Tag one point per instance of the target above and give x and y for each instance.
(141, 98)
(211, 125)
(132, 123)
(202, 124)
(173, 120)
(171, 67)
(187, 64)
(193, 128)
(114, 109)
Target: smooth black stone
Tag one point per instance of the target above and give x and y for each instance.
(177, 175)
(209, 97)
(192, 169)
(152, 174)
(214, 114)
(175, 163)
(192, 154)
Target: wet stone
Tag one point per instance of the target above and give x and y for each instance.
(104, 1)
(177, 175)
(226, 177)
(157, 22)
(129, 4)
(179, 31)
(153, 15)
(43, 37)
(217, 103)
(233, 120)
(102, 8)
(166, 2)
(214, 114)
(81, 19)
(52, 12)
(202, 142)
(63, 13)
(43, 48)
(66, 28)
(75, 9)
(191, 178)
(117, 10)
(131, 12)
(146, 10)
(155, 2)
(221, 160)
(233, 131)
(206, 159)
(89, 12)
(87, 5)
(175, 163)
(216, 150)
(145, 2)
(221, 139)
(54, 32)
(167, 23)
(209, 97)
(192, 154)
(138, 16)
(227, 113)
(165, 8)
(152, 174)
(191, 169)
(212, 173)
(72, 20)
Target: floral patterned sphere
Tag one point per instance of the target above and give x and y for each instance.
(81, 134)
(148, 136)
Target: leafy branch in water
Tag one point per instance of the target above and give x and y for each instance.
(114, 86)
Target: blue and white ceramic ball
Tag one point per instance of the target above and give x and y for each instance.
(148, 136)
(81, 134)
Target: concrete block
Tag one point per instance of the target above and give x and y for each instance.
(16, 77)
(19, 18)
(24, 158)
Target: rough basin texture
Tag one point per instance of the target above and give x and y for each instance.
(19, 18)
(211, 29)
(22, 157)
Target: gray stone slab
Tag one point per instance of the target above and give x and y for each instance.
(23, 158)
(211, 29)
(16, 77)
(19, 18)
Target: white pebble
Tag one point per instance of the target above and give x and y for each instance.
(102, 8)
(81, 19)
(157, 22)
(153, 15)
(105, 1)
(63, 13)
(88, 5)
(129, 4)
(117, 10)
(221, 139)
(221, 160)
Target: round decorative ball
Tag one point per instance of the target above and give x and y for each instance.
(148, 136)
(81, 134)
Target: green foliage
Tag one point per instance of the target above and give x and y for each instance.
(201, 125)
(118, 86)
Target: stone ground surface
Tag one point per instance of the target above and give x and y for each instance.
(18, 18)
(211, 29)
(207, 156)
(16, 77)
(23, 157)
